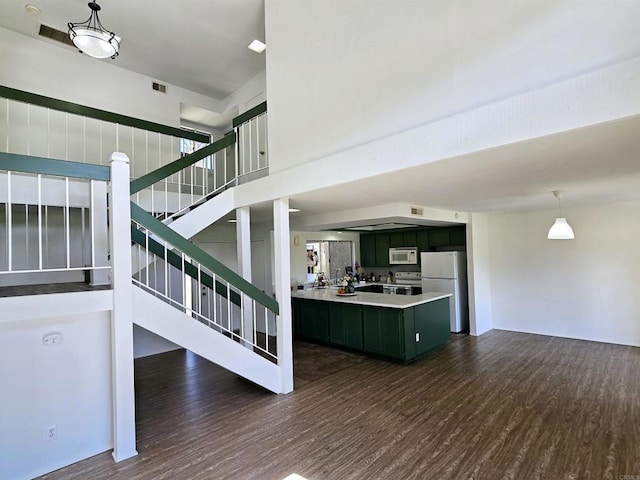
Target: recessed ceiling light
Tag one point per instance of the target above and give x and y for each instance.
(32, 9)
(257, 46)
(294, 210)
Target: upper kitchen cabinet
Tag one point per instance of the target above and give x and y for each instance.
(410, 239)
(458, 236)
(368, 250)
(396, 239)
(374, 247)
(382, 250)
(422, 240)
(439, 237)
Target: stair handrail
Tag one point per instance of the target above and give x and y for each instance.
(249, 114)
(164, 232)
(15, 162)
(169, 169)
(98, 114)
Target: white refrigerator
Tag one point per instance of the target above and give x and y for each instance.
(446, 272)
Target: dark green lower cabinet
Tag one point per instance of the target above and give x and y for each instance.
(393, 333)
(345, 325)
(314, 321)
(383, 331)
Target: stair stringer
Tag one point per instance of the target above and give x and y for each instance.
(193, 222)
(162, 319)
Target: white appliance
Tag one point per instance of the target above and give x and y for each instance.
(446, 272)
(403, 256)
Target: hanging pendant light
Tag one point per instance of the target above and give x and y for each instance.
(560, 230)
(92, 38)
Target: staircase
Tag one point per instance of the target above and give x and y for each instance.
(179, 291)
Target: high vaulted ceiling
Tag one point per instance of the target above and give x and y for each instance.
(199, 45)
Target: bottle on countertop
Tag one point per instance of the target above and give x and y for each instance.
(373, 277)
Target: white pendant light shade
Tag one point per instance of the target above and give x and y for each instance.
(560, 230)
(95, 43)
(92, 38)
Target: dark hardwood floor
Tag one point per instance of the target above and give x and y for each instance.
(502, 406)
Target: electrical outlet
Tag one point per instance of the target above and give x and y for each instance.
(51, 432)
(417, 337)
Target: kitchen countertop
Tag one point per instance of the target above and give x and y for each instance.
(371, 299)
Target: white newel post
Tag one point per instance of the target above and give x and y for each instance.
(124, 426)
(243, 234)
(282, 274)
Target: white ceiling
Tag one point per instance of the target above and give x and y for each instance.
(199, 45)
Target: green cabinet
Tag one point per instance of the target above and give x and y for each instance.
(458, 236)
(439, 237)
(400, 334)
(382, 250)
(368, 250)
(431, 326)
(396, 239)
(410, 238)
(296, 316)
(383, 331)
(314, 321)
(345, 325)
(422, 240)
(374, 247)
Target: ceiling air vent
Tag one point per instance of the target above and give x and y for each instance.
(56, 35)
(417, 211)
(158, 87)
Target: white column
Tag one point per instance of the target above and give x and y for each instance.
(282, 274)
(124, 426)
(479, 275)
(243, 241)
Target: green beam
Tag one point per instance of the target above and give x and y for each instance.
(192, 251)
(249, 114)
(174, 167)
(47, 166)
(82, 110)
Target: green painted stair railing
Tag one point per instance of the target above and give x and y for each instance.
(90, 112)
(183, 245)
(174, 167)
(14, 162)
(39, 165)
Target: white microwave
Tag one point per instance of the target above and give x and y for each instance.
(403, 256)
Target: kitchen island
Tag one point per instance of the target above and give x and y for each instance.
(395, 327)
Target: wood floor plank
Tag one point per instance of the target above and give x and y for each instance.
(502, 406)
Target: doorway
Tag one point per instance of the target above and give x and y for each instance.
(331, 257)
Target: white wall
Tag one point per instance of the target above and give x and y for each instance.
(379, 68)
(68, 385)
(479, 275)
(249, 95)
(146, 343)
(585, 288)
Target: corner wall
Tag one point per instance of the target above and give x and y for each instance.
(67, 386)
(585, 288)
